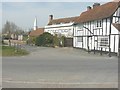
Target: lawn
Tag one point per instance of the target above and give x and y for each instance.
(12, 51)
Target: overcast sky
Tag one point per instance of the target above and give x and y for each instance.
(23, 13)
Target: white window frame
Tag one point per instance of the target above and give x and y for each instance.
(99, 23)
(103, 41)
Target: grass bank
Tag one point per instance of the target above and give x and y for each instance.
(12, 51)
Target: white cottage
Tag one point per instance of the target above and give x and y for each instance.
(98, 28)
(61, 26)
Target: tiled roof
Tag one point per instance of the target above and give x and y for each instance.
(63, 20)
(116, 0)
(37, 32)
(117, 26)
(99, 12)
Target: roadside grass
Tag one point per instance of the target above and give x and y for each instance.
(12, 51)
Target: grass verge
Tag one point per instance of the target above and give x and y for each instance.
(12, 51)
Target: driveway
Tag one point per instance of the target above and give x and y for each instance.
(59, 68)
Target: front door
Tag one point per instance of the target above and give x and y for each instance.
(89, 43)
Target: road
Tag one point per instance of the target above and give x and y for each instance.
(59, 68)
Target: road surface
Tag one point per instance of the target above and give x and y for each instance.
(59, 68)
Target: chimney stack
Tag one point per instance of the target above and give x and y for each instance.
(50, 17)
(96, 5)
(88, 8)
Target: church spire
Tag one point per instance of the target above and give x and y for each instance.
(35, 23)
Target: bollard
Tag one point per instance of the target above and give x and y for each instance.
(110, 52)
(88, 49)
(101, 52)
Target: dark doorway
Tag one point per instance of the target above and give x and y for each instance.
(89, 42)
(68, 42)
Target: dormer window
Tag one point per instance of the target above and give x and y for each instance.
(71, 22)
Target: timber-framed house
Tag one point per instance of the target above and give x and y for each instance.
(98, 28)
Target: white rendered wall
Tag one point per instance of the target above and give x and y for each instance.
(63, 29)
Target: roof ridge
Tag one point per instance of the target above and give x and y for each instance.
(100, 6)
(63, 20)
(65, 17)
(100, 12)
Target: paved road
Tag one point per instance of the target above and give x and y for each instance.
(59, 67)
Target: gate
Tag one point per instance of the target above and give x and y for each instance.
(68, 42)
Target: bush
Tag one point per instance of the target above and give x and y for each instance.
(25, 37)
(58, 41)
(55, 41)
(31, 40)
(46, 39)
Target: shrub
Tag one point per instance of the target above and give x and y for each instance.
(55, 41)
(31, 40)
(25, 37)
(58, 41)
(46, 39)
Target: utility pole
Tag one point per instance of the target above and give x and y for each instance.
(9, 33)
(110, 37)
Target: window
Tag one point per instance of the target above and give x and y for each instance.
(118, 20)
(99, 23)
(80, 27)
(66, 30)
(79, 39)
(61, 30)
(103, 41)
(79, 32)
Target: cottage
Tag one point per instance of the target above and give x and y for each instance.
(61, 26)
(36, 32)
(98, 28)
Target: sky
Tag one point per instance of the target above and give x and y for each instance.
(24, 13)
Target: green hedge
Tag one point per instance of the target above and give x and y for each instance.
(46, 39)
(55, 41)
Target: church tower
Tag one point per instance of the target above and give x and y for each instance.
(35, 24)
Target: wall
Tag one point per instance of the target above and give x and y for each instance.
(96, 33)
(63, 29)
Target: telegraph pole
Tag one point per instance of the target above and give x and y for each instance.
(9, 33)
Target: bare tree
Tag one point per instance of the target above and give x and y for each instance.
(6, 29)
(11, 28)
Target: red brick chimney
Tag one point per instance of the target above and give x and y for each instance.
(88, 8)
(50, 17)
(96, 5)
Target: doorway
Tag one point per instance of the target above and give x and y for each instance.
(89, 42)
